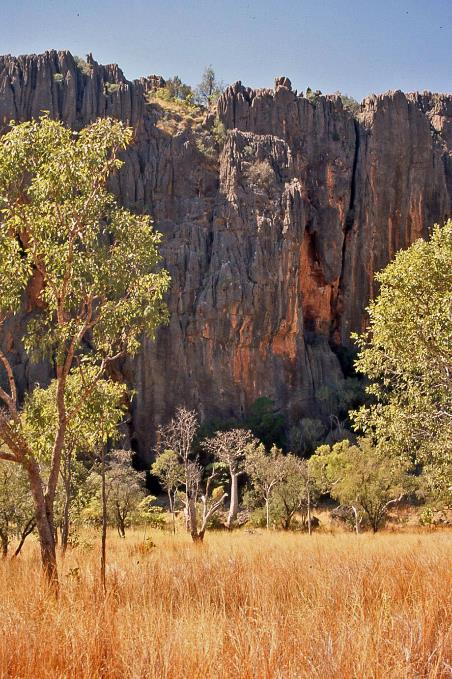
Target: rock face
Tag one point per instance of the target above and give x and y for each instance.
(271, 241)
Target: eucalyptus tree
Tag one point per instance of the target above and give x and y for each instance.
(16, 508)
(90, 271)
(266, 471)
(170, 472)
(407, 355)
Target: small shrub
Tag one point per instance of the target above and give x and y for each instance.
(58, 77)
(219, 132)
(426, 517)
(249, 151)
(261, 174)
(350, 104)
(111, 88)
(83, 66)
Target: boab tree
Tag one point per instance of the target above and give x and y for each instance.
(178, 436)
(88, 267)
(230, 448)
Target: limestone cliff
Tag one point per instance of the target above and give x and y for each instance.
(272, 237)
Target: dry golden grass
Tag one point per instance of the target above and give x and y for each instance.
(242, 606)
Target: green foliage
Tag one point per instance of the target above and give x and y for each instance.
(16, 506)
(339, 397)
(125, 494)
(59, 219)
(265, 422)
(295, 492)
(94, 421)
(209, 89)
(306, 436)
(58, 77)
(112, 88)
(146, 513)
(407, 354)
(169, 470)
(176, 89)
(265, 471)
(83, 66)
(219, 132)
(90, 269)
(350, 104)
(313, 96)
(362, 478)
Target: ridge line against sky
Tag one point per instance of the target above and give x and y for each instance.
(354, 46)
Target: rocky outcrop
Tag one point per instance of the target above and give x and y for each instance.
(272, 236)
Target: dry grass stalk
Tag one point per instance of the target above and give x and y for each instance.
(247, 606)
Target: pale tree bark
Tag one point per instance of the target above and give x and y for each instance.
(234, 502)
(355, 512)
(231, 447)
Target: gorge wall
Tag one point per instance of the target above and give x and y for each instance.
(271, 242)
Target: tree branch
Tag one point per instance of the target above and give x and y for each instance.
(11, 380)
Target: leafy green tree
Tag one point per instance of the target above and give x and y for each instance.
(265, 422)
(106, 403)
(407, 355)
(296, 492)
(209, 89)
(89, 267)
(16, 507)
(177, 89)
(266, 471)
(304, 437)
(124, 490)
(362, 478)
(170, 472)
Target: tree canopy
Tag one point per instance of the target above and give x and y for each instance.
(89, 271)
(407, 355)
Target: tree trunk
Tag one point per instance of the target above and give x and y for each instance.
(234, 503)
(121, 524)
(192, 518)
(66, 510)
(267, 512)
(309, 513)
(28, 530)
(356, 520)
(103, 555)
(4, 543)
(198, 537)
(44, 524)
(172, 510)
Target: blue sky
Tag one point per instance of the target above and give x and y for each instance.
(355, 46)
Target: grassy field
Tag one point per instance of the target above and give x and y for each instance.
(243, 605)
